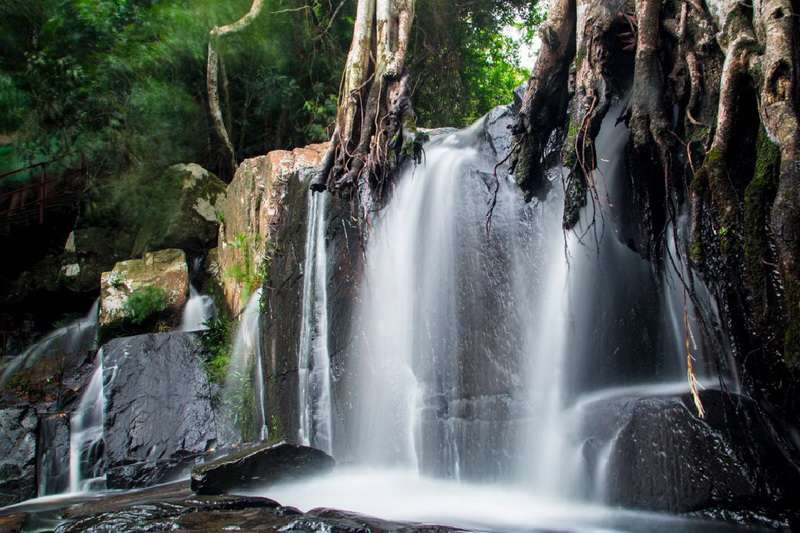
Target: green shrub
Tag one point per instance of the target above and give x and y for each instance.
(144, 303)
(216, 341)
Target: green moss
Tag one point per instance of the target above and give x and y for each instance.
(244, 273)
(216, 341)
(791, 338)
(574, 199)
(758, 198)
(145, 303)
(275, 429)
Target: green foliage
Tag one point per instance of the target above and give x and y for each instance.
(275, 429)
(145, 303)
(463, 59)
(216, 341)
(241, 404)
(244, 273)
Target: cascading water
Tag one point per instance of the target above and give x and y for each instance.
(245, 367)
(65, 341)
(491, 357)
(86, 435)
(314, 388)
(198, 310)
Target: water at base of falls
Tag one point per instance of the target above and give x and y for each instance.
(401, 495)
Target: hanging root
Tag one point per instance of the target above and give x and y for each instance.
(691, 345)
(375, 123)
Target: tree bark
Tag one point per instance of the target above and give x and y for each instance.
(374, 104)
(544, 103)
(699, 69)
(212, 80)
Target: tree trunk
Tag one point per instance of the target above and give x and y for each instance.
(703, 77)
(375, 121)
(213, 67)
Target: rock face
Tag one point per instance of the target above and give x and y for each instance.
(159, 411)
(165, 269)
(17, 455)
(260, 465)
(89, 252)
(665, 458)
(253, 208)
(52, 464)
(192, 224)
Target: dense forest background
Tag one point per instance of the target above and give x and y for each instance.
(117, 87)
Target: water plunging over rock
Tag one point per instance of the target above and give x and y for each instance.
(314, 390)
(68, 344)
(198, 310)
(86, 445)
(243, 392)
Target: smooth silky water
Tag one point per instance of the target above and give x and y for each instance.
(479, 357)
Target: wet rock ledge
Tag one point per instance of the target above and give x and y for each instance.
(175, 507)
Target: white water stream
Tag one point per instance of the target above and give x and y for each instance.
(86, 434)
(245, 363)
(63, 341)
(314, 381)
(198, 310)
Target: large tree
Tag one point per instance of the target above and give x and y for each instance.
(375, 122)
(712, 88)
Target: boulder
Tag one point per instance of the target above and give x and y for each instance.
(252, 209)
(261, 465)
(89, 252)
(191, 223)
(17, 455)
(165, 269)
(160, 414)
(665, 458)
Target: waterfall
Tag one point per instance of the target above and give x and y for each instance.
(68, 340)
(314, 387)
(198, 310)
(245, 367)
(86, 434)
(438, 323)
(497, 364)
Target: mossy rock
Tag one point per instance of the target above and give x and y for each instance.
(191, 221)
(124, 288)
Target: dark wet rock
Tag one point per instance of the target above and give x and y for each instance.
(173, 507)
(260, 465)
(159, 408)
(497, 131)
(666, 458)
(17, 455)
(12, 523)
(52, 463)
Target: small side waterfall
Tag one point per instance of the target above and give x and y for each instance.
(86, 435)
(245, 372)
(314, 388)
(67, 340)
(198, 310)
